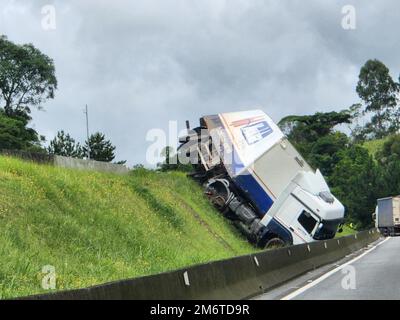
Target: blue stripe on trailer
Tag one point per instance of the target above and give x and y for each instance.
(254, 191)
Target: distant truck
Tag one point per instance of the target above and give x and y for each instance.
(387, 216)
(257, 179)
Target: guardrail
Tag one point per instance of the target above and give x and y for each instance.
(237, 278)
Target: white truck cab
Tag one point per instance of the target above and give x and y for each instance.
(307, 209)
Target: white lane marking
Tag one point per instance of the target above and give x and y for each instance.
(328, 274)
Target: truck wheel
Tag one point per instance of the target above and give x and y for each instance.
(218, 193)
(275, 243)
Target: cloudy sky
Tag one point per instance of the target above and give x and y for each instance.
(141, 63)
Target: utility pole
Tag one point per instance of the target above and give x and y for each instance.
(87, 130)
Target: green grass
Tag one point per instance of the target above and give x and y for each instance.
(347, 231)
(94, 227)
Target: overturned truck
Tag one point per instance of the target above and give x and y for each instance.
(257, 179)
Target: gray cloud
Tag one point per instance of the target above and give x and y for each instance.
(138, 64)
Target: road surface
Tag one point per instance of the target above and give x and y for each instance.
(371, 274)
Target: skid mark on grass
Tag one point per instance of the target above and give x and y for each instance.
(188, 208)
(158, 207)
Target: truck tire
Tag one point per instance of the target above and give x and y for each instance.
(218, 193)
(275, 243)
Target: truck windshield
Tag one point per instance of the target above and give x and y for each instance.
(327, 229)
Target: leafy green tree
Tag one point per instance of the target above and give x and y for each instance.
(27, 77)
(357, 130)
(15, 135)
(138, 166)
(171, 162)
(305, 132)
(170, 159)
(379, 92)
(324, 152)
(100, 149)
(64, 145)
(389, 160)
(316, 125)
(357, 181)
(390, 151)
(391, 179)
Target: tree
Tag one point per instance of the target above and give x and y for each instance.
(171, 162)
(305, 131)
(388, 158)
(100, 149)
(379, 92)
(357, 130)
(15, 135)
(64, 145)
(318, 124)
(357, 181)
(27, 77)
(390, 151)
(324, 152)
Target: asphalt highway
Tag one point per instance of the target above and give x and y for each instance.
(372, 274)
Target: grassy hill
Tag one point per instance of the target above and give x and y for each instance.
(94, 227)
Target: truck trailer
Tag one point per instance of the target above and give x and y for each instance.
(387, 216)
(257, 179)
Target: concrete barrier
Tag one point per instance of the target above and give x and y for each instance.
(91, 165)
(42, 158)
(237, 278)
(67, 162)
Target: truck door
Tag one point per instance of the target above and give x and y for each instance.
(294, 216)
(385, 213)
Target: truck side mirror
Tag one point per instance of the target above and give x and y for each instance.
(340, 230)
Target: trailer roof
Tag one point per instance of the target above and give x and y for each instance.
(388, 198)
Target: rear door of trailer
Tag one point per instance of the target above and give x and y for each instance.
(385, 213)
